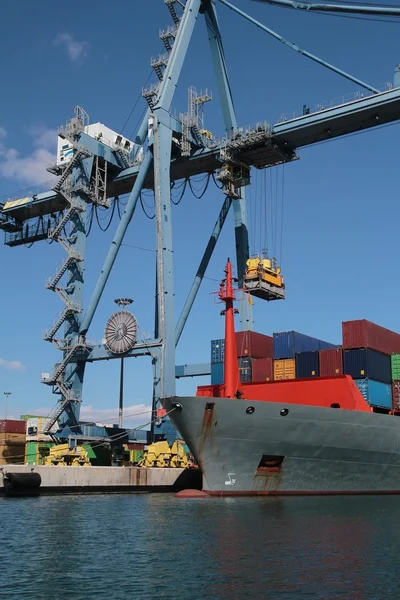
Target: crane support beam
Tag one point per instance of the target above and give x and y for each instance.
(101, 352)
(363, 111)
(201, 271)
(297, 49)
(392, 11)
(116, 243)
(228, 111)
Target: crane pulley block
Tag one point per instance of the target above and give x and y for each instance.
(233, 176)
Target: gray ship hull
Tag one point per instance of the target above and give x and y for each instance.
(321, 450)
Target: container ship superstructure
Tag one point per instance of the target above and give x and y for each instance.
(316, 435)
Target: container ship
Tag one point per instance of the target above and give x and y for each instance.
(315, 419)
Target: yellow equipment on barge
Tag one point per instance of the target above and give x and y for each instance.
(63, 456)
(160, 454)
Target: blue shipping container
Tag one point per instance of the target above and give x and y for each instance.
(217, 351)
(375, 393)
(217, 373)
(367, 364)
(245, 369)
(289, 343)
(307, 364)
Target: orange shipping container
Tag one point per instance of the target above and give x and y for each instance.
(284, 369)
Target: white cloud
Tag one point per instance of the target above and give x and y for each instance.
(12, 365)
(31, 168)
(43, 137)
(76, 51)
(136, 414)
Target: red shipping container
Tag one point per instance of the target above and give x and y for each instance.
(396, 395)
(254, 345)
(364, 334)
(331, 362)
(262, 369)
(8, 426)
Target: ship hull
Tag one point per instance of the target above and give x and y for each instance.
(321, 450)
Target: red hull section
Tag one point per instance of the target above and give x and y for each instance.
(331, 362)
(339, 392)
(364, 334)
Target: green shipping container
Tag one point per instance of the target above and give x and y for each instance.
(395, 367)
(36, 452)
(31, 453)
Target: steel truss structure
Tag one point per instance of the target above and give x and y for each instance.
(168, 148)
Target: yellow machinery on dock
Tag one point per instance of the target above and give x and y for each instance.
(63, 456)
(160, 454)
(263, 279)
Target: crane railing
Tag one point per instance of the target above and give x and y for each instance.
(339, 101)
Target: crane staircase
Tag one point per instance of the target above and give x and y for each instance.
(159, 64)
(77, 192)
(192, 121)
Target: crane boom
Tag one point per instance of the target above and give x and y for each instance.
(343, 8)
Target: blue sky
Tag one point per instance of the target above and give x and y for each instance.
(340, 229)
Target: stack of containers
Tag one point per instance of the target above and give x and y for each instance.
(12, 442)
(367, 350)
(38, 444)
(291, 347)
(251, 348)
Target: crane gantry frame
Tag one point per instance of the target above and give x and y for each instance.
(167, 149)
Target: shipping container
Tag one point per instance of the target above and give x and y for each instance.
(9, 426)
(364, 334)
(307, 364)
(331, 362)
(395, 358)
(289, 343)
(12, 438)
(363, 363)
(217, 351)
(284, 369)
(245, 368)
(31, 453)
(36, 452)
(376, 393)
(396, 395)
(248, 343)
(217, 373)
(245, 362)
(253, 344)
(262, 369)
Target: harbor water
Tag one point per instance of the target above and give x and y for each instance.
(160, 547)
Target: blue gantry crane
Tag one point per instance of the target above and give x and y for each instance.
(95, 164)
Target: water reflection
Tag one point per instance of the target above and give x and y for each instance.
(159, 547)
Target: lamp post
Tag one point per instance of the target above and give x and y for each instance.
(6, 395)
(121, 302)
